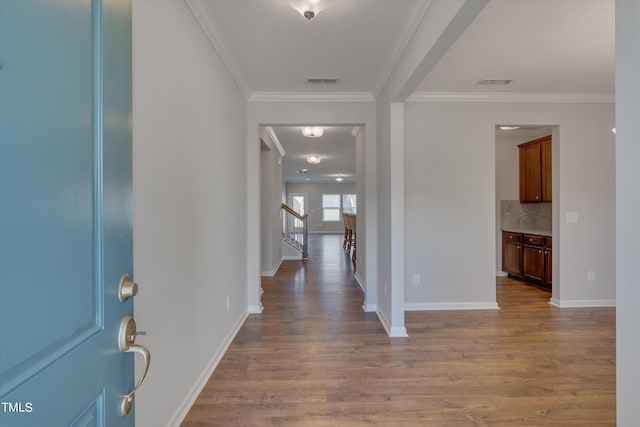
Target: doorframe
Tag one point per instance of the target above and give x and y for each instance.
(280, 110)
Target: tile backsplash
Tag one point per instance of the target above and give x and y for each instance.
(515, 215)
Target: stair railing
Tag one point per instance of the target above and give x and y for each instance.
(295, 230)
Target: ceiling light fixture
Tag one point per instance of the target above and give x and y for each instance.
(303, 171)
(509, 127)
(312, 132)
(339, 179)
(314, 160)
(309, 14)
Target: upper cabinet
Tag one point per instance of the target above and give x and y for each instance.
(535, 170)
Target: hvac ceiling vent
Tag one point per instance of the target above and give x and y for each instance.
(495, 82)
(322, 81)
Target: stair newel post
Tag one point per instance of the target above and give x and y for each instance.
(305, 236)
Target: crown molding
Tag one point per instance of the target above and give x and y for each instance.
(275, 140)
(570, 98)
(311, 97)
(203, 15)
(409, 27)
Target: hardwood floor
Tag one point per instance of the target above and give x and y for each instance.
(314, 358)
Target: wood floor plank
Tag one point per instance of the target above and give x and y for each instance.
(314, 358)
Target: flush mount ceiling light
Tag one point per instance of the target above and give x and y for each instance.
(309, 14)
(312, 132)
(314, 160)
(509, 127)
(339, 179)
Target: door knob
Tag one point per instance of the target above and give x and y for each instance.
(126, 344)
(127, 289)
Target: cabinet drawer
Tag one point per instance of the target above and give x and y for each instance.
(512, 237)
(530, 239)
(547, 242)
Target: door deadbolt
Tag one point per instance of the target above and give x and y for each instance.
(127, 288)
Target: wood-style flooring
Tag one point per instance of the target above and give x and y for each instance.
(314, 358)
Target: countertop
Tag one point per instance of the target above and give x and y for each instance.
(535, 231)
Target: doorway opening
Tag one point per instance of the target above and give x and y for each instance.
(525, 201)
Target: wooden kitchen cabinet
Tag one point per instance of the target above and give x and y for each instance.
(535, 170)
(512, 253)
(545, 168)
(528, 257)
(533, 261)
(548, 262)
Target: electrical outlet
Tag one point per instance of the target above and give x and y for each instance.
(228, 302)
(591, 276)
(416, 279)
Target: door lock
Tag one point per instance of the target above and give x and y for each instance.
(127, 288)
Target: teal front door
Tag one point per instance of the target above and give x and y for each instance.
(65, 211)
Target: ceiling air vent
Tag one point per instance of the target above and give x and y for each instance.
(322, 81)
(495, 81)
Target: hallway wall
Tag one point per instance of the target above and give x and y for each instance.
(189, 172)
(450, 193)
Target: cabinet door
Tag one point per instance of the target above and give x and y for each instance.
(512, 258)
(530, 173)
(545, 154)
(533, 263)
(547, 268)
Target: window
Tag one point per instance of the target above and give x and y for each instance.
(331, 207)
(349, 203)
(298, 206)
(334, 204)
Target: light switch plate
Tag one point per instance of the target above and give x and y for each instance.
(572, 217)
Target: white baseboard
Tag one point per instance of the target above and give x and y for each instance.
(393, 332)
(369, 308)
(253, 309)
(582, 303)
(195, 391)
(451, 306)
(360, 282)
(272, 272)
(501, 274)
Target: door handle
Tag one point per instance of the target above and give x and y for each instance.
(126, 344)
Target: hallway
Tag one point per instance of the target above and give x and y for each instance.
(314, 358)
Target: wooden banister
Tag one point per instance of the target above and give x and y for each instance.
(294, 213)
(305, 229)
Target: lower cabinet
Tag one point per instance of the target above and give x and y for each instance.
(528, 257)
(548, 262)
(512, 253)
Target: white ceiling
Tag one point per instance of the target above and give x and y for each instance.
(274, 48)
(336, 146)
(545, 46)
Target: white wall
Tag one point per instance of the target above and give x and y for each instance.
(189, 175)
(313, 193)
(507, 181)
(271, 196)
(361, 195)
(450, 199)
(628, 206)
